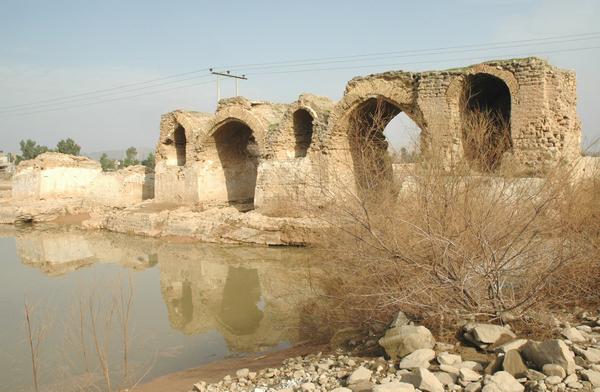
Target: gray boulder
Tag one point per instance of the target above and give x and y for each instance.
(550, 351)
(405, 339)
(424, 380)
(502, 382)
(418, 358)
(483, 335)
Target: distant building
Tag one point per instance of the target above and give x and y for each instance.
(6, 162)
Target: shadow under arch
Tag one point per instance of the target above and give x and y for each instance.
(303, 124)
(486, 117)
(238, 154)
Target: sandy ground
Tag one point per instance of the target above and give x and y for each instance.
(215, 371)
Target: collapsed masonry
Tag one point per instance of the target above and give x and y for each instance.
(258, 152)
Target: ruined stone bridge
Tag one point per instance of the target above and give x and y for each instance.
(256, 152)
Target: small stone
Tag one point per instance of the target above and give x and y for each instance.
(419, 358)
(450, 369)
(242, 373)
(553, 380)
(448, 359)
(592, 355)
(424, 380)
(363, 386)
(573, 334)
(359, 375)
(445, 378)
(341, 389)
(475, 366)
(571, 378)
(308, 386)
(534, 375)
(551, 369)
(469, 375)
(512, 345)
(394, 386)
(502, 382)
(473, 387)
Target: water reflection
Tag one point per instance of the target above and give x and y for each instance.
(251, 296)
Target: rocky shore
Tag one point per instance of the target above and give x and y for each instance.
(225, 225)
(487, 358)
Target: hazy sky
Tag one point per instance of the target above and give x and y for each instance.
(53, 49)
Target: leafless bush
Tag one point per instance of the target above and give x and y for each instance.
(446, 246)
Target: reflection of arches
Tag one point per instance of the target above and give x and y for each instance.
(239, 311)
(238, 153)
(180, 145)
(182, 306)
(303, 131)
(486, 110)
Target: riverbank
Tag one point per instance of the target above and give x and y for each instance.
(225, 225)
(486, 357)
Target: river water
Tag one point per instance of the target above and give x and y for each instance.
(117, 308)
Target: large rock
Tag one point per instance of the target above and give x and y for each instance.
(573, 334)
(513, 363)
(486, 334)
(405, 339)
(424, 380)
(502, 382)
(591, 376)
(550, 351)
(419, 358)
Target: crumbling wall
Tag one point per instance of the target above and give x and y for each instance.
(53, 175)
(56, 176)
(121, 188)
(176, 177)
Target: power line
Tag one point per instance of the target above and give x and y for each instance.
(419, 62)
(324, 60)
(106, 100)
(296, 71)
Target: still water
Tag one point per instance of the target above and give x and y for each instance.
(137, 308)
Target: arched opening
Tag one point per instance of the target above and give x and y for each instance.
(238, 154)
(372, 155)
(303, 130)
(486, 106)
(180, 145)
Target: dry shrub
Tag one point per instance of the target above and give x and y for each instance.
(486, 138)
(445, 246)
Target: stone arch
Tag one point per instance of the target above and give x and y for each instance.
(180, 143)
(237, 152)
(374, 103)
(303, 126)
(241, 115)
(399, 92)
(485, 106)
(174, 147)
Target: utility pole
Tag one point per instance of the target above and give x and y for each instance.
(227, 74)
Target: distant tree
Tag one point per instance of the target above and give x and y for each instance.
(150, 161)
(107, 163)
(130, 157)
(68, 146)
(30, 150)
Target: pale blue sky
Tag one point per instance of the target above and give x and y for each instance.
(52, 49)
